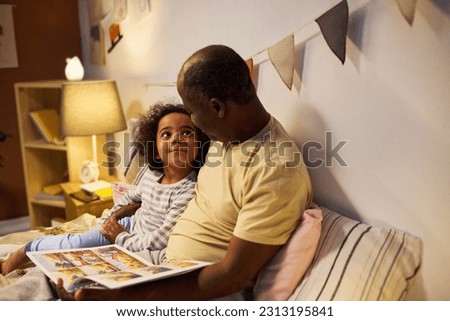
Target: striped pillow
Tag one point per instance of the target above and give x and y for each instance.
(357, 261)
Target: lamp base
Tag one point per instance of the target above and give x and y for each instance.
(89, 172)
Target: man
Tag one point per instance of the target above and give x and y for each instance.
(250, 193)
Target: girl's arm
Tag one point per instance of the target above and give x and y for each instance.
(158, 238)
(111, 228)
(125, 210)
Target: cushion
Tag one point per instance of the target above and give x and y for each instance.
(119, 189)
(280, 277)
(133, 173)
(357, 261)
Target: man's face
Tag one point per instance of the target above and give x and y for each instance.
(202, 119)
(206, 118)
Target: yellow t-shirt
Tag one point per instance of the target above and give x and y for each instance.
(256, 190)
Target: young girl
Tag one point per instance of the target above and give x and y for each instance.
(145, 216)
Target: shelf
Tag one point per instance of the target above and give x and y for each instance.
(43, 198)
(75, 208)
(42, 144)
(41, 84)
(47, 164)
(55, 203)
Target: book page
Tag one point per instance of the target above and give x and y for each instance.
(109, 266)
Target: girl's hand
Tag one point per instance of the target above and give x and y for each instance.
(110, 229)
(126, 210)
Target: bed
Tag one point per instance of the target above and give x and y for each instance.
(329, 257)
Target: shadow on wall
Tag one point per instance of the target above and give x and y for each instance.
(327, 189)
(310, 136)
(298, 66)
(435, 15)
(328, 192)
(444, 5)
(356, 23)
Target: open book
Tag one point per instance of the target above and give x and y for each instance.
(109, 266)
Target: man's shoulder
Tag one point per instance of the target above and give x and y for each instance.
(279, 146)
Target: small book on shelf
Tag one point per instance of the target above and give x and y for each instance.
(50, 193)
(43, 196)
(105, 267)
(101, 188)
(54, 189)
(47, 122)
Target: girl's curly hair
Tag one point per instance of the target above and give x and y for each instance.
(146, 132)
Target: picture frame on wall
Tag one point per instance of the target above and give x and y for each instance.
(8, 50)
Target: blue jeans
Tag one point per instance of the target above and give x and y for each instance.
(89, 238)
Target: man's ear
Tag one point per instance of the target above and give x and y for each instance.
(218, 105)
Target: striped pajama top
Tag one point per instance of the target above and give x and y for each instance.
(161, 205)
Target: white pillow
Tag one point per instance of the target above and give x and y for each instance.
(119, 189)
(280, 277)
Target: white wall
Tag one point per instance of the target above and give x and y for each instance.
(390, 101)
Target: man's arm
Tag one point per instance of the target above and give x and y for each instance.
(240, 267)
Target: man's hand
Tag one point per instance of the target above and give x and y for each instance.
(61, 291)
(241, 266)
(85, 294)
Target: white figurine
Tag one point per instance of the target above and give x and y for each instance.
(74, 69)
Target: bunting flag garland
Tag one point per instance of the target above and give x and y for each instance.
(282, 57)
(333, 25)
(253, 71)
(289, 66)
(408, 8)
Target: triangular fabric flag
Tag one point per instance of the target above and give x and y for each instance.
(249, 63)
(253, 71)
(282, 57)
(333, 25)
(408, 8)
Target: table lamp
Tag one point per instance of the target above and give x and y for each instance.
(90, 108)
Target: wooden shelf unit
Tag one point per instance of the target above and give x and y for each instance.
(47, 164)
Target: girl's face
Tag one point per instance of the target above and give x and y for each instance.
(177, 142)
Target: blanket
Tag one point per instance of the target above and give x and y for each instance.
(28, 282)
